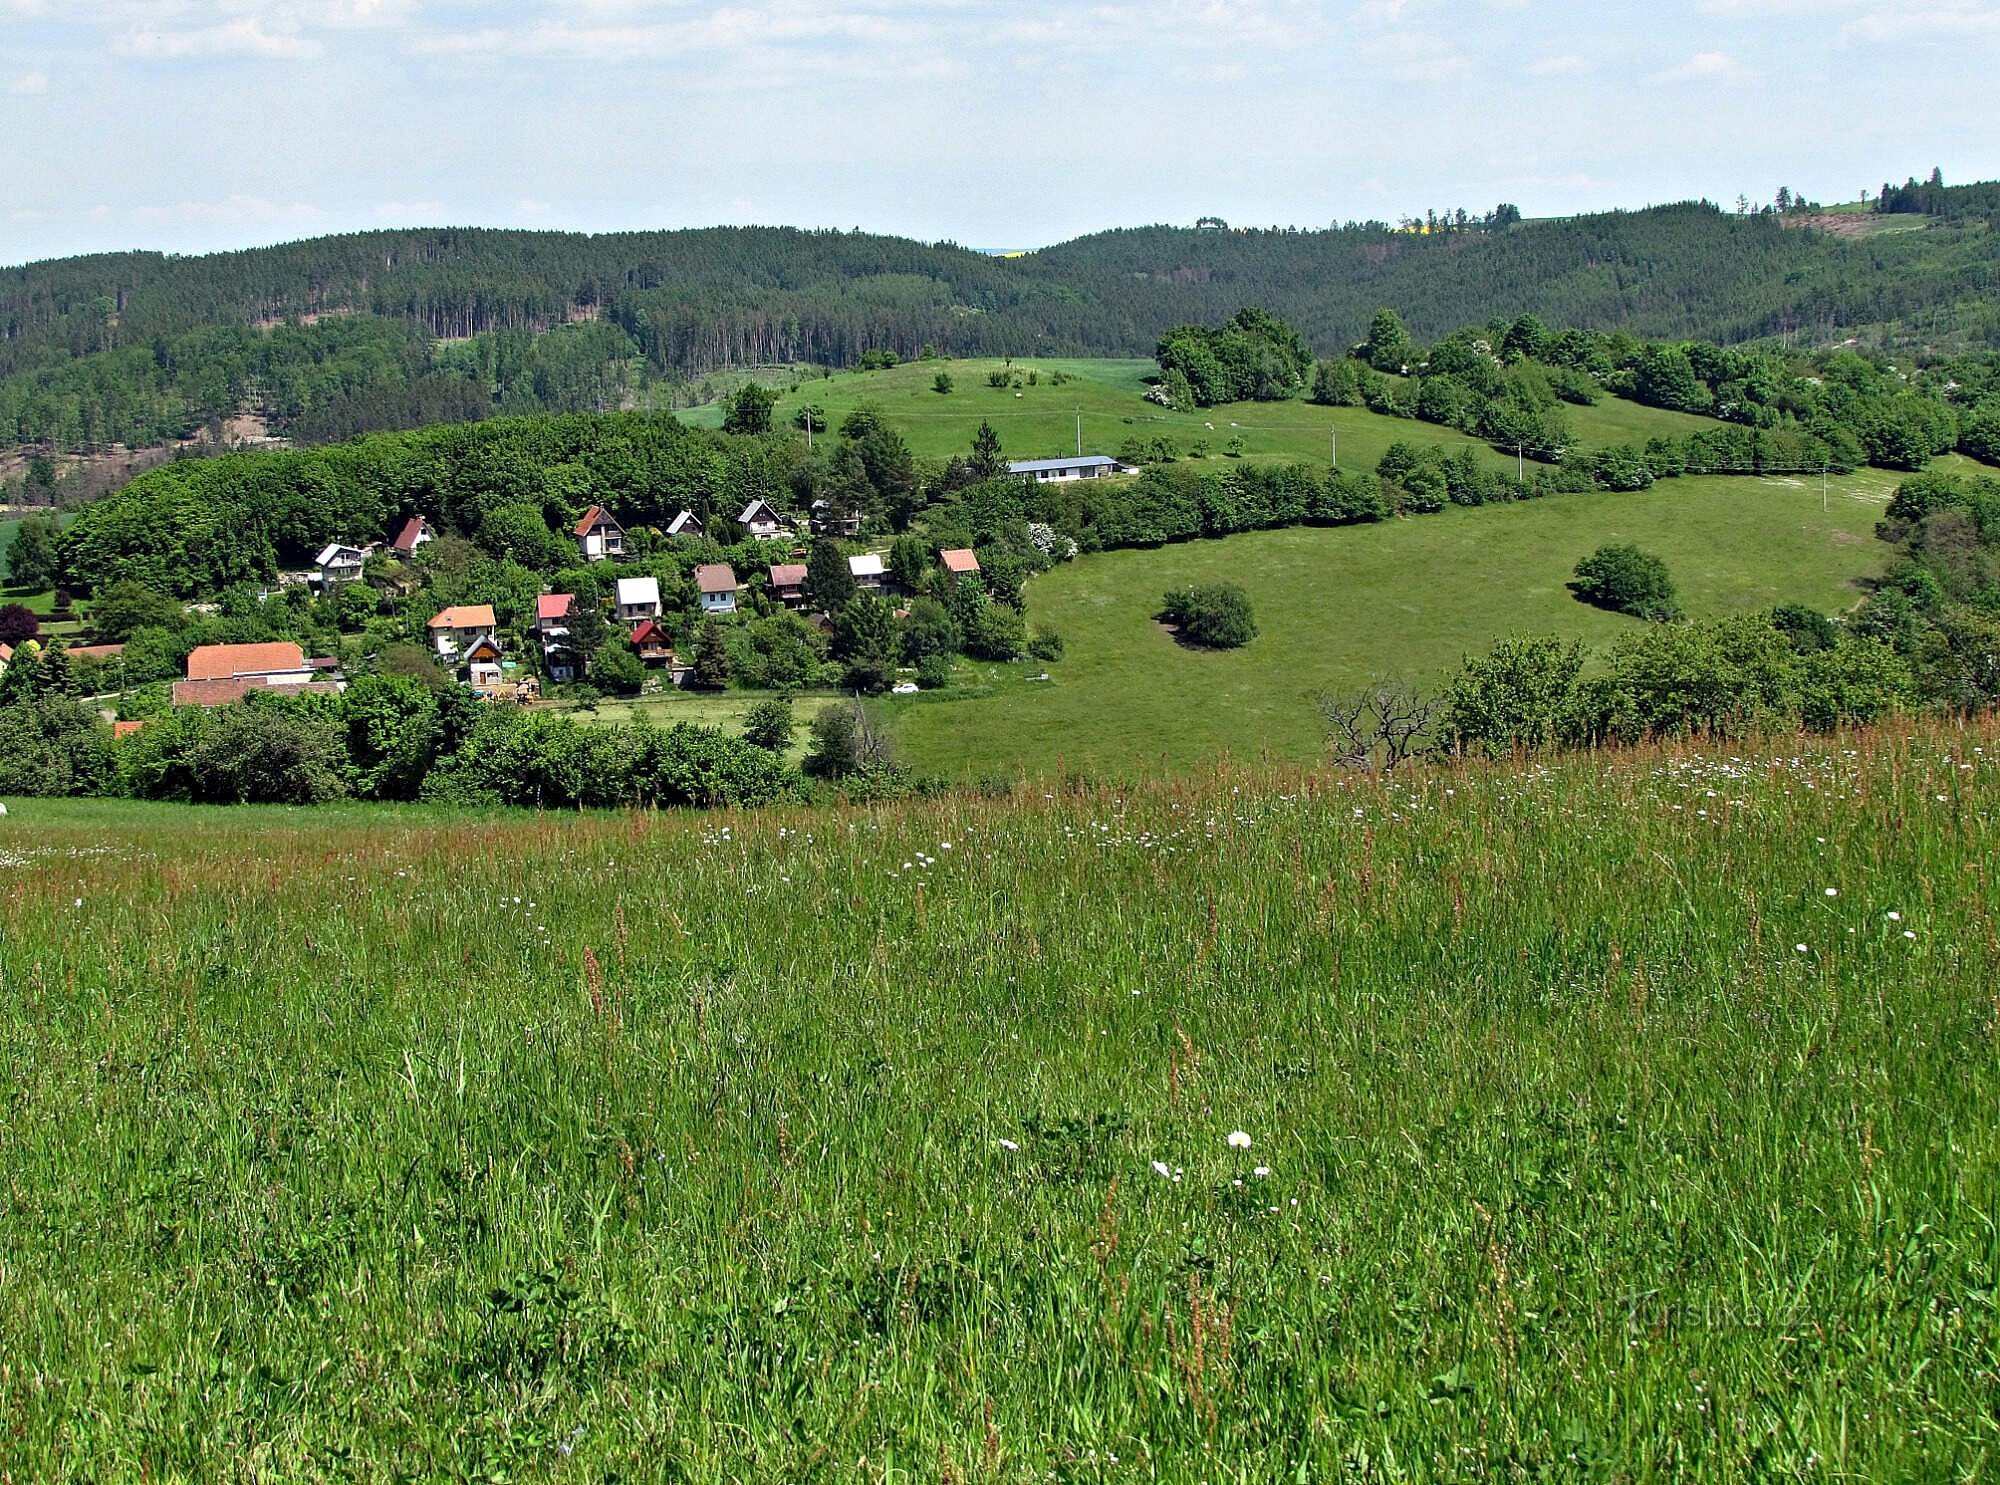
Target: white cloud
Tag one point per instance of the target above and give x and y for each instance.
(1938, 20)
(29, 84)
(1704, 67)
(245, 36)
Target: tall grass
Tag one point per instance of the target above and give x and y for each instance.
(1629, 1116)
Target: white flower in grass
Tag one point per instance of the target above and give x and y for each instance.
(1802, 948)
(1160, 1168)
(1009, 1145)
(1238, 1140)
(1833, 892)
(1261, 1171)
(1895, 917)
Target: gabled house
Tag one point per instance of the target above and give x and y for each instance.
(552, 616)
(482, 661)
(868, 571)
(788, 583)
(638, 598)
(598, 537)
(959, 561)
(687, 523)
(338, 562)
(829, 519)
(458, 628)
(718, 585)
(412, 534)
(761, 521)
(652, 643)
(281, 663)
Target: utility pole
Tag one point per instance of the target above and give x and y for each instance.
(1520, 464)
(1336, 446)
(1079, 433)
(1822, 487)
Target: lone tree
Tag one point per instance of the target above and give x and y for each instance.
(986, 458)
(1214, 615)
(1380, 725)
(1625, 580)
(710, 671)
(769, 724)
(32, 558)
(749, 411)
(829, 583)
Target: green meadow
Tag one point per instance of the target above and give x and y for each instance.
(1339, 607)
(1627, 1116)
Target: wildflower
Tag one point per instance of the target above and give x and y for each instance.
(1160, 1168)
(1261, 1171)
(1801, 948)
(1238, 1140)
(1908, 934)
(1833, 892)
(1895, 917)
(1009, 1145)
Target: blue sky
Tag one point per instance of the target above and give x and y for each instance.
(193, 125)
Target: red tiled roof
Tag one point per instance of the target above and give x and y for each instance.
(959, 559)
(787, 574)
(553, 605)
(95, 652)
(406, 537)
(596, 516)
(223, 690)
(715, 577)
(647, 632)
(6, 653)
(465, 616)
(126, 729)
(222, 662)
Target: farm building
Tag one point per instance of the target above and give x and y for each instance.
(598, 537)
(718, 585)
(1083, 467)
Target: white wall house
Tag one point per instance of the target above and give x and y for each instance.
(458, 628)
(718, 586)
(1084, 467)
(338, 562)
(638, 598)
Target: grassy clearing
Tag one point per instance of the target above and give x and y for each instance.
(727, 710)
(1338, 607)
(1042, 419)
(1602, 1140)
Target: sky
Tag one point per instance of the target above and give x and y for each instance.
(197, 125)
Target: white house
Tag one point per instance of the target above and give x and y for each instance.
(458, 628)
(483, 663)
(868, 571)
(338, 562)
(412, 534)
(718, 585)
(687, 523)
(760, 520)
(598, 537)
(552, 616)
(1085, 467)
(638, 598)
(829, 519)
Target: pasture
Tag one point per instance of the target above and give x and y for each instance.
(1338, 607)
(1625, 1116)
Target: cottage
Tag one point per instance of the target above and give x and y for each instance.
(718, 585)
(459, 627)
(338, 563)
(412, 534)
(652, 643)
(1084, 467)
(788, 583)
(274, 664)
(552, 615)
(598, 537)
(829, 519)
(868, 571)
(638, 598)
(483, 663)
(688, 524)
(761, 521)
(959, 561)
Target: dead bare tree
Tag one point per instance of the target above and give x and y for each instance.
(1380, 726)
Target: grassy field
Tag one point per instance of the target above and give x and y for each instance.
(1042, 420)
(1629, 1117)
(727, 710)
(1338, 607)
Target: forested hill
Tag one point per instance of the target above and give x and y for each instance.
(336, 335)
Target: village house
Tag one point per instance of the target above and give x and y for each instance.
(638, 598)
(598, 537)
(868, 571)
(718, 586)
(761, 521)
(959, 561)
(1083, 467)
(788, 583)
(338, 563)
(652, 643)
(412, 534)
(482, 663)
(552, 616)
(219, 674)
(829, 519)
(459, 627)
(687, 523)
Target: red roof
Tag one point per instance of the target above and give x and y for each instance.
(465, 616)
(126, 729)
(959, 559)
(223, 662)
(6, 653)
(788, 574)
(715, 577)
(553, 606)
(647, 632)
(596, 516)
(407, 536)
(95, 652)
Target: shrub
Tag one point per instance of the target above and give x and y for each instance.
(941, 383)
(18, 624)
(1045, 644)
(1625, 580)
(1214, 615)
(769, 725)
(995, 633)
(934, 672)
(845, 740)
